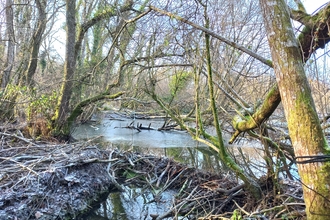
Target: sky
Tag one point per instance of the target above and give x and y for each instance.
(312, 5)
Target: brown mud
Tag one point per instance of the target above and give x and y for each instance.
(41, 180)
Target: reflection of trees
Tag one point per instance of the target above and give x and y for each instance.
(118, 209)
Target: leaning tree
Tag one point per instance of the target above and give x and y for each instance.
(307, 137)
(289, 54)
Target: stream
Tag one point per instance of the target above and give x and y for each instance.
(137, 203)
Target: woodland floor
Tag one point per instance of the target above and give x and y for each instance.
(40, 180)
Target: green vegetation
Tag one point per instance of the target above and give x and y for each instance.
(178, 82)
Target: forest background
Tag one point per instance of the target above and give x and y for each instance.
(236, 65)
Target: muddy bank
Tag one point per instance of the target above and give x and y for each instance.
(62, 181)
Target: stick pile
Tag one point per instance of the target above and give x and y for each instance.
(54, 181)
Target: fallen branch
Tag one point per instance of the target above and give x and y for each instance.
(279, 207)
(112, 176)
(18, 137)
(168, 213)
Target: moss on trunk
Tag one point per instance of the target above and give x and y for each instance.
(65, 129)
(304, 126)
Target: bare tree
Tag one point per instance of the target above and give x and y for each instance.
(36, 41)
(62, 125)
(8, 65)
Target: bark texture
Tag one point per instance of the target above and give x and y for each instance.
(304, 127)
(10, 45)
(69, 67)
(36, 41)
(315, 35)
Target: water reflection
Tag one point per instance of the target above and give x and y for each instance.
(174, 144)
(135, 203)
(138, 203)
(116, 132)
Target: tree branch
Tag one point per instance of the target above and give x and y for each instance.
(107, 13)
(215, 35)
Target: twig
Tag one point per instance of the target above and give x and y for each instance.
(230, 197)
(97, 160)
(276, 207)
(18, 137)
(227, 192)
(166, 214)
(240, 208)
(112, 178)
(167, 185)
(23, 166)
(163, 173)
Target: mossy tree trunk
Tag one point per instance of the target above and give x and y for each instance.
(304, 126)
(69, 69)
(79, 108)
(64, 116)
(250, 183)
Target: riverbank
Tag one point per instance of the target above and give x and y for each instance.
(41, 180)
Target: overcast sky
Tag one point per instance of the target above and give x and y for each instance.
(312, 5)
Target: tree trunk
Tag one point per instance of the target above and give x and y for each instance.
(36, 41)
(307, 38)
(304, 126)
(69, 68)
(10, 46)
(73, 47)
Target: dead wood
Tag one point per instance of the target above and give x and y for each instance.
(56, 181)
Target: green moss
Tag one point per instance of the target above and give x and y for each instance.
(302, 35)
(105, 11)
(179, 81)
(270, 63)
(322, 175)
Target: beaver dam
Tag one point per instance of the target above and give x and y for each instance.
(40, 180)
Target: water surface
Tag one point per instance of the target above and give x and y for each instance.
(139, 203)
(116, 132)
